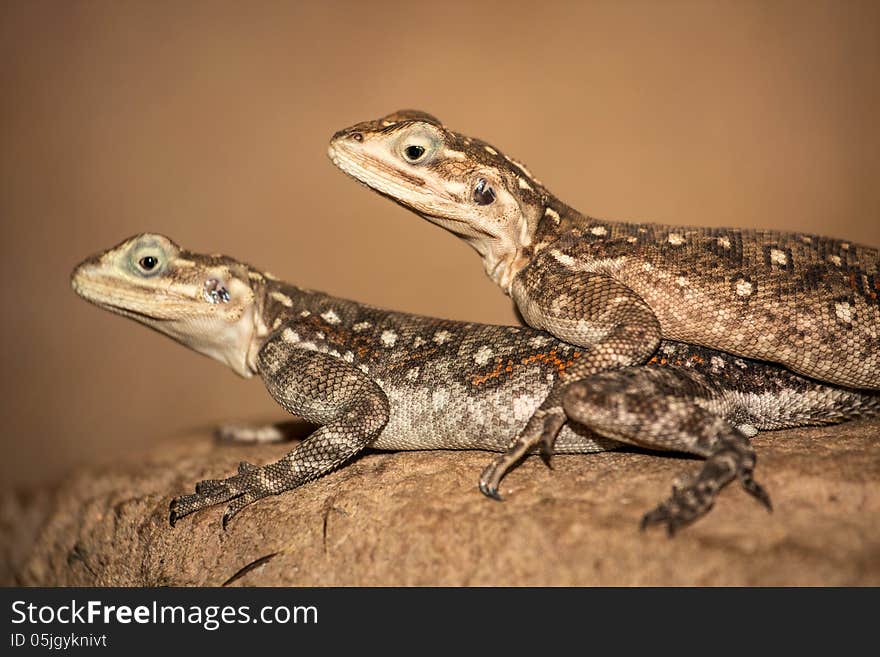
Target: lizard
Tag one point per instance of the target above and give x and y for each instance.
(808, 303)
(370, 377)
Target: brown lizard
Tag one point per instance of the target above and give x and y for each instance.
(809, 303)
(375, 378)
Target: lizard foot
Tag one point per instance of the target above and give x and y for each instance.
(240, 490)
(693, 499)
(542, 428)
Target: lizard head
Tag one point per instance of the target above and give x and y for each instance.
(205, 302)
(462, 184)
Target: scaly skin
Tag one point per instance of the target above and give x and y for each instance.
(374, 378)
(811, 304)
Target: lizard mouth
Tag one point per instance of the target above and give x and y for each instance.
(387, 179)
(88, 293)
(89, 287)
(412, 192)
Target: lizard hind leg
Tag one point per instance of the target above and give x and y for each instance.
(541, 428)
(662, 409)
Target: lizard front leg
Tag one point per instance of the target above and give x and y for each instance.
(658, 409)
(589, 309)
(322, 389)
(613, 324)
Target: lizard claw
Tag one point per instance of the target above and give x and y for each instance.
(489, 490)
(548, 445)
(670, 515)
(172, 512)
(757, 491)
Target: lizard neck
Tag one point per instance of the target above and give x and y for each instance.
(539, 226)
(275, 303)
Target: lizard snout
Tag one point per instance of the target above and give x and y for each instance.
(348, 135)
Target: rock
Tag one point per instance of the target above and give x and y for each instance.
(416, 518)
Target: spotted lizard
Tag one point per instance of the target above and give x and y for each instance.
(808, 303)
(389, 380)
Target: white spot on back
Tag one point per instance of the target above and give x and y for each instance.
(413, 374)
(439, 398)
(418, 341)
(539, 341)
(283, 299)
(724, 241)
(330, 316)
(348, 357)
(361, 326)
(523, 184)
(442, 336)
(553, 214)
(743, 287)
(717, 363)
(483, 355)
(835, 260)
(843, 311)
(305, 313)
(675, 239)
(681, 281)
(599, 230)
(388, 338)
(778, 257)
(562, 258)
(289, 335)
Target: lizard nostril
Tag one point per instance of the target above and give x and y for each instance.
(357, 136)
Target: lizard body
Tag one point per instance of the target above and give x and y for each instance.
(389, 380)
(810, 303)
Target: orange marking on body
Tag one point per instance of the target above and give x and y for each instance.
(551, 359)
(496, 372)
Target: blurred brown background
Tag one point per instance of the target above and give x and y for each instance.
(208, 121)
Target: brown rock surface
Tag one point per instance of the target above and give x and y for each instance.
(418, 519)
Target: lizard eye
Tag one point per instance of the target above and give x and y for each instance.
(414, 152)
(148, 263)
(483, 193)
